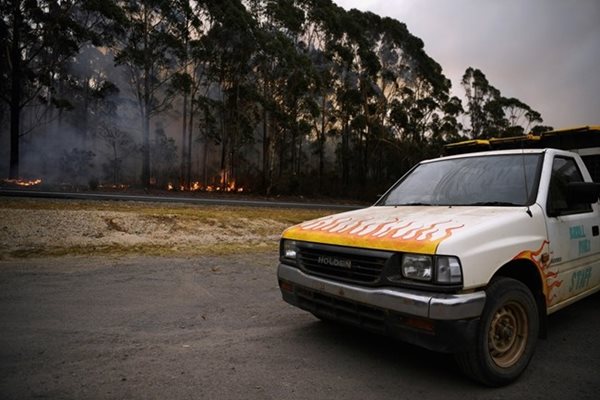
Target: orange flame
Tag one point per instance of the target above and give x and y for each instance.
(375, 232)
(392, 228)
(23, 182)
(198, 186)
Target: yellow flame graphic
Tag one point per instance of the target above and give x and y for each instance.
(377, 233)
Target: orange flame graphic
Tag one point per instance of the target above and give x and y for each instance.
(544, 267)
(384, 233)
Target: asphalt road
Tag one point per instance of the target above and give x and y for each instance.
(216, 328)
(173, 198)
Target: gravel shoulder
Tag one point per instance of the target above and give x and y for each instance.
(43, 227)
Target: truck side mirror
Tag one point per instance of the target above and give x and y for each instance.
(582, 192)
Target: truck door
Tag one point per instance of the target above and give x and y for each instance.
(573, 235)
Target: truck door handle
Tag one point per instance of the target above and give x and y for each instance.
(595, 230)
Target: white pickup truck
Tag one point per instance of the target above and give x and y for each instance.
(466, 254)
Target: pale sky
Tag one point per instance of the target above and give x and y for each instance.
(546, 53)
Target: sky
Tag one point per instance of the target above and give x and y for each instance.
(545, 53)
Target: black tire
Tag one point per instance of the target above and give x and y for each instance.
(506, 337)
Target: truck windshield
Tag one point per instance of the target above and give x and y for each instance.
(499, 180)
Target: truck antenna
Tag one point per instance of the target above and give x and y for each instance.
(525, 179)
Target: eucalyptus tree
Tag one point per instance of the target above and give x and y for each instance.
(492, 114)
(230, 44)
(344, 52)
(402, 92)
(40, 36)
(277, 26)
(147, 48)
(320, 34)
(325, 125)
(417, 84)
(479, 94)
(93, 96)
(287, 76)
(118, 142)
(520, 117)
(368, 124)
(448, 129)
(266, 64)
(189, 26)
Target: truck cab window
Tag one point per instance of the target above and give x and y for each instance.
(564, 171)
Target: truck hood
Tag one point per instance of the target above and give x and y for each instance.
(418, 229)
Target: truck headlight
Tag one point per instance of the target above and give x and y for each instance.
(421, 267)
(288, 251)
(417, 266)
(448, 270)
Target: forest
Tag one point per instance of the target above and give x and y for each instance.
(274, 97)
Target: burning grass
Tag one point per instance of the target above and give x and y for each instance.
(22, 182)
(44, 228)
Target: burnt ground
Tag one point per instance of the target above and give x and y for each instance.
(215, 327)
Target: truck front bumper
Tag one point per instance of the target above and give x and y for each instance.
(437, 321)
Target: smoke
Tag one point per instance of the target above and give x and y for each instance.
(97, 140)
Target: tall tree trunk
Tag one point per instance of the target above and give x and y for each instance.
(345, 155)
(366, 160)
(265, 152)
(205, 150)
(281, 149)
(293, 147)
(205, 162)
(15, 92)
(235, 139)
(299, 156)
(85, 125)
(188, 172)
(266, 181)
(184, 161)
(224, 141)
(115, 163)
(321, 141)
(146, 110)
(146, 151)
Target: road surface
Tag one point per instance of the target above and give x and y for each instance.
(174, 198)
(216, 328)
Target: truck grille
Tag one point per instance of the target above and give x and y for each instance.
(342, 264)
(327, 306)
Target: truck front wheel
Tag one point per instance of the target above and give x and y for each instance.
(506, 336)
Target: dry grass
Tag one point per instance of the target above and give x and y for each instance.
(44, 228)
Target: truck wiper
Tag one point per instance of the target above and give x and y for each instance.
(413, 204)
(494, 203)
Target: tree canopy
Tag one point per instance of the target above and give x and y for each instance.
(275, 96)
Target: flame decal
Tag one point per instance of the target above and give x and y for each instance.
(549, 277)
(448, 232)
(387, 233)
(555, 284)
